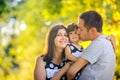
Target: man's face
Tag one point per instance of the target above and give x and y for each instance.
(82, 31)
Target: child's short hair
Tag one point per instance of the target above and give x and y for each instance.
(72, 27)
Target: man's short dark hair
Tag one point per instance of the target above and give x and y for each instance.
(92, 19)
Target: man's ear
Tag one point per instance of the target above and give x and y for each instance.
(93, 30)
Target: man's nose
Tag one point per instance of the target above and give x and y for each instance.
(78, 31)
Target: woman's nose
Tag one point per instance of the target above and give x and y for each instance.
(64, 37)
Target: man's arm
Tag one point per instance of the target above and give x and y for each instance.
(75, 67)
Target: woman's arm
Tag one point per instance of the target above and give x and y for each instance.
(113, 41)
(69, 55)
(61, 72)
(39, 71)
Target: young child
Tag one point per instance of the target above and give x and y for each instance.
(73, 50)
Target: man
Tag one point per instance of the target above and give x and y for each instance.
(98, 57)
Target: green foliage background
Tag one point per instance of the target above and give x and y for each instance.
(18, 56)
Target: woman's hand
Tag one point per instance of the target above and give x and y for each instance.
(61, 72)
(113, 41)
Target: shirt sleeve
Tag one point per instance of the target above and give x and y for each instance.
(93, 51)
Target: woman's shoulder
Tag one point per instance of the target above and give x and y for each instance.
(40, 59)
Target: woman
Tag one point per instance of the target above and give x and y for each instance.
(47, 66)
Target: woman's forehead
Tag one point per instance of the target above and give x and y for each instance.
(61, 30)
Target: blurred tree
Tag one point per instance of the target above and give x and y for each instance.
(53, 6)
(3, 6)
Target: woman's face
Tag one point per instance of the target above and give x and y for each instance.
(61, 39)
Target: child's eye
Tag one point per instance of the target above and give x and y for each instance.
(75, 32)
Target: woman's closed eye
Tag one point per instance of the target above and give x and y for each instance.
(59, 35)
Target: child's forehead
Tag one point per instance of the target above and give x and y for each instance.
(75, 30)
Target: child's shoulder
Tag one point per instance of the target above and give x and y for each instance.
(69, 44)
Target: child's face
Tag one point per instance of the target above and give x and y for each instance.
(73, 36)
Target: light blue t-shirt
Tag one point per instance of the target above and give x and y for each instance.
(101, 57)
